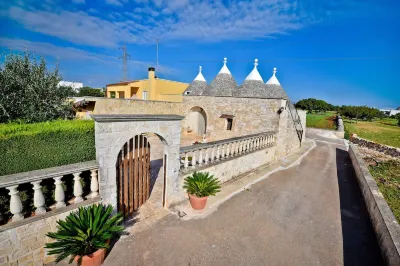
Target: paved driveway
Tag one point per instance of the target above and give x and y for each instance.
(310, 214)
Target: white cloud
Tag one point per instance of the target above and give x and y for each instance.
(76, 27)
(114, 2)
(194, 20)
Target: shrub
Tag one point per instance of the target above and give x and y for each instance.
(27, 147)
(202, 184)
(84, 232)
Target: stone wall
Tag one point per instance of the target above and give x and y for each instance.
(250, 115)
(389, 150)
(22, 242)
(385, 225)
(230, 168)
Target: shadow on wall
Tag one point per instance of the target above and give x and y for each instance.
(360, 246)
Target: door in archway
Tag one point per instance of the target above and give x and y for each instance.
(198, 121)
(133, 175)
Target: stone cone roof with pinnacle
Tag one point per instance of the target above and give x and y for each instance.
(274, 87)
(198, 85)
(253, 86)
(223, 85)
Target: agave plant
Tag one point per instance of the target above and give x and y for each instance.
(84, 232)
(202, 184)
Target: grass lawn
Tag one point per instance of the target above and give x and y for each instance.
(384, 131)
(324, 120)
(387, 176)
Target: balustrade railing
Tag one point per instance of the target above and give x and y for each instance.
(31, 183)
(198, 155)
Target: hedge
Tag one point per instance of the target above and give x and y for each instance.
(27, 147)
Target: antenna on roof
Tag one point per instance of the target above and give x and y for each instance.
(125, 56)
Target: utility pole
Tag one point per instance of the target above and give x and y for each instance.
(125, 56)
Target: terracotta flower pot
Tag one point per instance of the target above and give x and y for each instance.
(197, 203)
(94, 259)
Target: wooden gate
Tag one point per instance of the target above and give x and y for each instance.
(133, 175)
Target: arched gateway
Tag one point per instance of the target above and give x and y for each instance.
(123, 154)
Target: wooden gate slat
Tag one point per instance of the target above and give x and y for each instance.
(131, 205)
(144, 171)
(119, 176)
(148, 172)
(126, 181)
(136, 175)
(140, 170)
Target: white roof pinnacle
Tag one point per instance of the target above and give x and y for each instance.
(273, 80)
(200, 76)
(254, 74)
(224, 69)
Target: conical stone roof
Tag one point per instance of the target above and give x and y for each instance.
(223, 85)
(198, 85)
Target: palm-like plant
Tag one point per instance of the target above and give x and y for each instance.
(202, 184)
(84, 232)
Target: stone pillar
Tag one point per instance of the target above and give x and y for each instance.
(94, 184)
(59, 193)
(15, 204)
(38, 198)
(78, 190)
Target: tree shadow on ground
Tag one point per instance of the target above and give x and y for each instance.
(360, 246)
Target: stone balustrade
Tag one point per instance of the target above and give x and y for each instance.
(59, 175)
(198, 155)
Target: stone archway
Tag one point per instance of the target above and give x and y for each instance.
(197, 120)
(113, 131)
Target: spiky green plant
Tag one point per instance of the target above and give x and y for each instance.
(84, 232)
(202, 184)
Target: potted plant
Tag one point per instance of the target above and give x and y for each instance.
(199, 186)
(85, 235)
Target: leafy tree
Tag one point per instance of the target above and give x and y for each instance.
(29, 92)
(88, 91)
(312, 104)
(360, 112)
(397, 116)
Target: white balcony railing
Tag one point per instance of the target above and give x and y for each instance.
(199, 155)
(58, 174)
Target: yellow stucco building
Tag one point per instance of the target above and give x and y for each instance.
(153, 88)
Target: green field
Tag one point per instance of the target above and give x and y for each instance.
(384, 131)
(324, 120)
(387, 176)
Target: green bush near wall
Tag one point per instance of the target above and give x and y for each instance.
(27, 147)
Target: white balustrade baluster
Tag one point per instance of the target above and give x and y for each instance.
(186, 163)
(38, 198)
(78, 190)
(15, 204)
(59, 192)
(194, 159)
(206, 156)
(218, 150)
(240, 147)
(200, 157)
(250, 144)
(213, 153)
(264, 141)
(94, 184)
(256, 143)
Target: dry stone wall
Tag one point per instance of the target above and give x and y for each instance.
(389, 150)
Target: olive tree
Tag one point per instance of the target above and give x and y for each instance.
(29, 91)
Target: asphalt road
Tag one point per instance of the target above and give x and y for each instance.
(310, 214)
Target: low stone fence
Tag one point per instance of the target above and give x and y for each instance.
(228, 158)
(22, 237)
(385, 225)
(389, 150)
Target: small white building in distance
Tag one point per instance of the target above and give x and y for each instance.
(390, 111)
(75, 85)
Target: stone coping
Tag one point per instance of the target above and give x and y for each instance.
(48, 214)
(224, 141)
(385, 225)
(136, 117)
(36, 175)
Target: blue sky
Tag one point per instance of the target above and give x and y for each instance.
(310, 42)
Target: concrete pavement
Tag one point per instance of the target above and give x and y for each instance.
(309, 214)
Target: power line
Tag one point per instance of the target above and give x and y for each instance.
(302, 59)
(125, 56)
